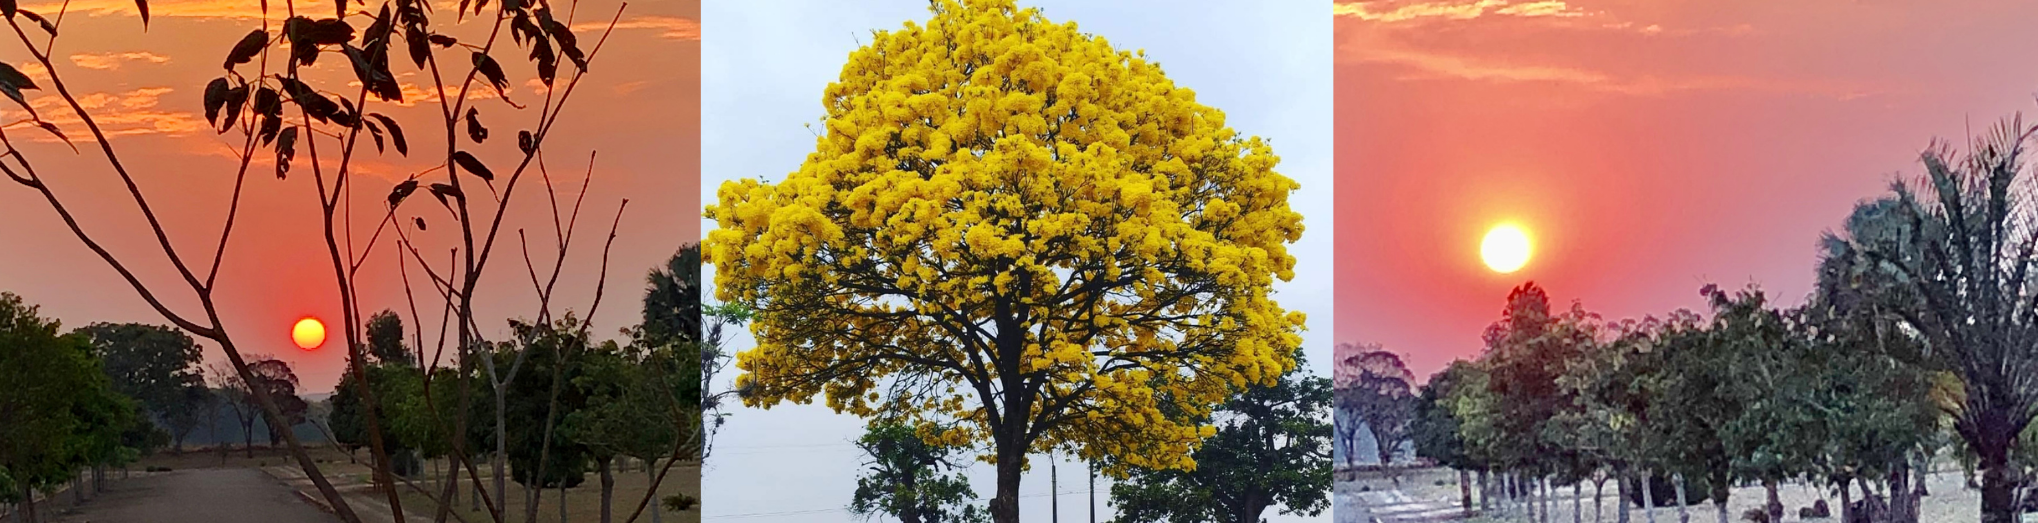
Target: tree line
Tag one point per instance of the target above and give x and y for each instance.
(1917, 343)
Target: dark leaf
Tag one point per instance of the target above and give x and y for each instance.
(472, 165)
(267, 102)
(52, 128)
(235, 99)
(346, 116)
(376, 38)
(525, 142)
(548, 61)
(443, 40)
(215, 96)
(419, 49)
(420, 220)
(143, 6)
(286, 148)
(444, 191)
(47, 27)
(375, 132)
(248, 47)
(12, 82)
(339, 8)
(521, 28)
(474, 129)
(270, 124)
(314, 104)
(395, 133)
(306, 35)
(402, 190)
(564, 35)
(7, 8)
(492, 70)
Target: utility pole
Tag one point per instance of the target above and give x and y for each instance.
(1093, 492)
(1054, 499)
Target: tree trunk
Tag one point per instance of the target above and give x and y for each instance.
(655, 507)
(1598, 496)
(1464, 490)
(1577, 503)
(608, 490)
(248, 437)
(1775, 505)
(1683, 506)
(1648, 496)
(1620, 497)
(1005, 505)
(1053, 491)
(28, 503)
(1996, 480)
(501, 447)
(1485, 491)
(474, 497)
(562, 502)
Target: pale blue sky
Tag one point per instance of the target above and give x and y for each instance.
(764, 65)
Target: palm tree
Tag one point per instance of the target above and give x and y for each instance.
(1948, 258)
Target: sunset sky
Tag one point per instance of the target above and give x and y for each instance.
(638, 108)
(1648, 147)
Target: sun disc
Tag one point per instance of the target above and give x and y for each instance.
(1506, 248)
(309, 333)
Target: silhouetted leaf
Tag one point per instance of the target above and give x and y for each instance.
(376, 37)
(472, 165)
(7, 8)
(444, 191)
(443, 40)
(215, 96)
(270, 124)
(314, 104)
(346, 116)
(548, 61)
(522, 28)
(306, 35)
(420, 220)
(525, 142)
(395, 133)
(564, 35)
(374, 132)
(248, 47)
(339, 8)
(401, 191)
(492, 70)
(474, 129)
(12, 82)
(420, 50)
(235, 99)
(143, 6)
(52, 128)
(286, 148)
(47, 27)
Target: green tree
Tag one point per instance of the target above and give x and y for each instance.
(60, 409)
(907, 478)
(156, 365)
(1434, 429)
(539, 457)
(1375, 387)
(1272, 447)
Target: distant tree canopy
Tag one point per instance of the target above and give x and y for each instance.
(158, 366)
(385, 339)
(907, 478)
(1374, 387)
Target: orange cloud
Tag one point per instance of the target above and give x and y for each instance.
(671, 27)
(111, 61)
(1402, 11)
(118, 114)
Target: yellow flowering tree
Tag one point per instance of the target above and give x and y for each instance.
(1013, 233)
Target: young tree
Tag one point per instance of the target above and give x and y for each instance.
(910, 479)
(1037, 269)
(1952, 262)
(1434, 428)
(1272, 447)
(1376, 387)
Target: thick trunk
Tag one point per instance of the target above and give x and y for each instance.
(608, 491)
(1005, 504)
(1846, 502)
(1997, 482)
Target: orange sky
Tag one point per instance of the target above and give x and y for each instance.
(1649, 146)
(638, 109)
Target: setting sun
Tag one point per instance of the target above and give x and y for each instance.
(1506, 248)
(308, 333)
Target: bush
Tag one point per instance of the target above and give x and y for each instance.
(1756, 515)
(680, 502)
(157, 468)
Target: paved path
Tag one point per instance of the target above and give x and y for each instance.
(197, 496)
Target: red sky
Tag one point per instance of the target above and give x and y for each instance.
(638, 109)
(1648, 146)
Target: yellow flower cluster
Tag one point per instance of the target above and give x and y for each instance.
(1002, 207)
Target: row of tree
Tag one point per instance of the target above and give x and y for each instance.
(1920, 337)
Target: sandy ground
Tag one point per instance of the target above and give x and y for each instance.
(1432, 495)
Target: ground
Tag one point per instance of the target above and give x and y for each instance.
(1433, 495)
(204, 486)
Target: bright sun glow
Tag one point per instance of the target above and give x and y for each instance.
(308, 333)
(1506, 248)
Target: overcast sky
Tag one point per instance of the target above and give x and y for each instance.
(764, 67)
